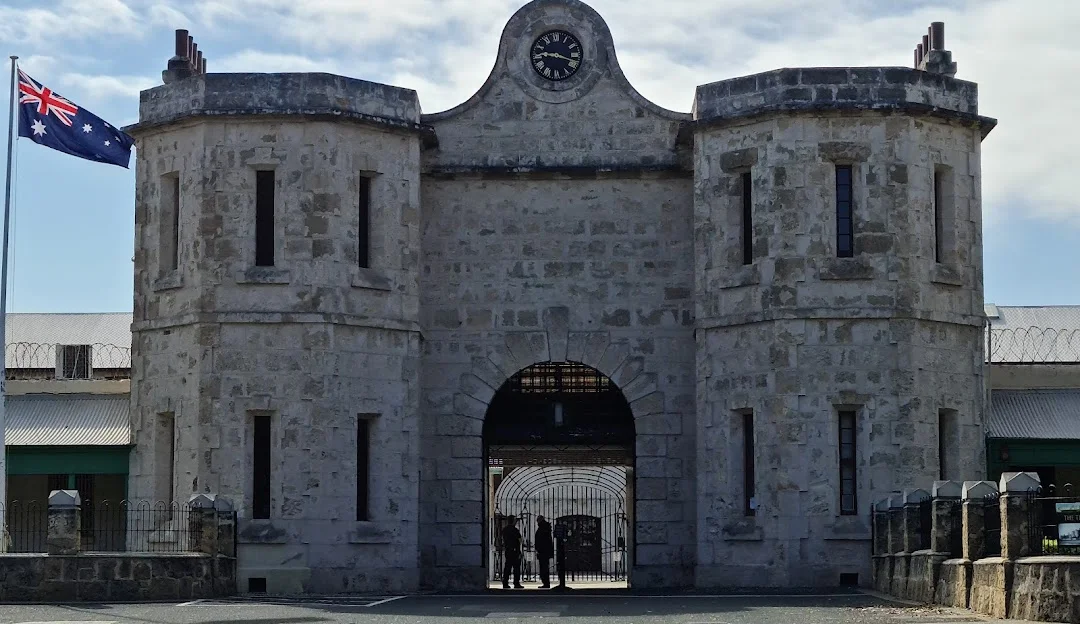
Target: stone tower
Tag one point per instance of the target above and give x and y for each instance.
(275, 324)
(840, 309)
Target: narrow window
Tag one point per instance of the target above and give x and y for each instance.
(847, 463)
(363, 233)
(845, 229)
(947, 439)
(260, 491)
(165, 456)
(938, 217)
(363, 465)
(747, 219)
(170, 223)
(750, 501)
(264, 218)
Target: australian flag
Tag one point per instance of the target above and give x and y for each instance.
(53, 121)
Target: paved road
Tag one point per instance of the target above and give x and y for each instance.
(838, 609)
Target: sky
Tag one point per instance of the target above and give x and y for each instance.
(72, 233)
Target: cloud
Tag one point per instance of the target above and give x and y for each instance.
(38, 28)
(105, 87)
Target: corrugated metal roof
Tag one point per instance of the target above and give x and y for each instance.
(67, 420)
(1038, 414)
(1012, 317)
(1034, 334)
(32, 338)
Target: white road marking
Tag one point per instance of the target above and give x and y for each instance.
(522, 614)
(191, 602)
(385, 600)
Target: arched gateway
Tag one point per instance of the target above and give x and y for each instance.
(559, 442)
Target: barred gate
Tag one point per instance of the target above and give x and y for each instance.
(597, 529)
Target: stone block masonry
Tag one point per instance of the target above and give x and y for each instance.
(1022, 583)
(419, 261)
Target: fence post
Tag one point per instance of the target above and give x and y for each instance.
(202, 523)
(896, 524)
(226, 525)
(1019, 514)
(881, 527)
(64, 536)
(912, 522)
(973, 540)
(946, 517)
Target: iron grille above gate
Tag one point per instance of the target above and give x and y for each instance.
(559, 404)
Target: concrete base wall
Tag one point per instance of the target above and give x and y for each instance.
(953, 583)
(52, 578)
(923, 575)
(1045, 589)
(990, 579)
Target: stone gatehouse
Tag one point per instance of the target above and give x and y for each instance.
(779, 294)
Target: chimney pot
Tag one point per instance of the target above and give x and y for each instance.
(198, 62)
(180, 46)
(194, 56)
(190, 42)
(937, 36)
(202, 65)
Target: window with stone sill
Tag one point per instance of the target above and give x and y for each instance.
(169, 224)
(845, 226)
(848, 479)
(944, 213)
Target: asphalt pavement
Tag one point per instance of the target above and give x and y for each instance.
(850, 608)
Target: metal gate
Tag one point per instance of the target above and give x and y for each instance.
(589, 503)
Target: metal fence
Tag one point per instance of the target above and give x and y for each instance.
(1054, 520)
(25, 527)
(140, 527)
(926, 523)
(992, 524)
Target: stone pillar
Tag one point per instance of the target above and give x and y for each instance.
(912, 537)
(226, 527)
(946, 517)
(973, 498)
(896, 523)
(1020, 515)
(64, 535)
(881, 527)
(202, 524)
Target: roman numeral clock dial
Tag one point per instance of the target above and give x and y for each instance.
(556, 55)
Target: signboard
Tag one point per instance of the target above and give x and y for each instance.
(1068, 523)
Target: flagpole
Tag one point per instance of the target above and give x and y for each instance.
(3, 311)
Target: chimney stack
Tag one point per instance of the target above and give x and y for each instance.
(187, 60)
(931, 55)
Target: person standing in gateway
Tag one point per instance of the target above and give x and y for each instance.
(512, 551)
(545, 550)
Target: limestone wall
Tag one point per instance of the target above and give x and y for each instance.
(596, 271)
(799, 333)
(314, 341)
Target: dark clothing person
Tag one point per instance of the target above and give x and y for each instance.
(545, 550)
(512, 553)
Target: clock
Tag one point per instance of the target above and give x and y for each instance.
(556, 55)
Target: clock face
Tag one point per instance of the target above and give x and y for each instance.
(556, 55)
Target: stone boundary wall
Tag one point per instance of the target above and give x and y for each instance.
(946, 563)
(66, 574)
(115, 577)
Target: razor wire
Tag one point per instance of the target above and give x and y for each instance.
(67, 358)
(1033, 345)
